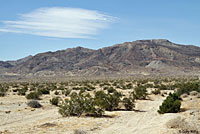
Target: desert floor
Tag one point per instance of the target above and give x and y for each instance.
(17, 118)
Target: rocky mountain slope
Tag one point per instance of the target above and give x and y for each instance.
(158, 56)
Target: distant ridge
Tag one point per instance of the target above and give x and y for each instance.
(141, 57)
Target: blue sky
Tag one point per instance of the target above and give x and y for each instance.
(28, 27)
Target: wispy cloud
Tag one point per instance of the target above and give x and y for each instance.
(59, 22)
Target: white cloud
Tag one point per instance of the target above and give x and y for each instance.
(59, 22)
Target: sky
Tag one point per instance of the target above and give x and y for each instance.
(28, 27)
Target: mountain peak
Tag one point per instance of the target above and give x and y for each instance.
(126, 58)
(79, 48)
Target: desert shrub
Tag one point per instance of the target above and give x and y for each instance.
(101, 99)
(113, 101)
(171, 104)
(140, 92)
(34, 104)
(108, 101)
(54, 101)
(3, 91)
(188, 87)
(156, 92)
(149, 85)
(22, 91)
(156, 82)
(162, 87)
(44, 91)
(56, 92)
(80, 104)
(67, 92)
(129, 103)
(89, 87)
(33, 95)
(2, 94)
(104, 84)
(129, 86)
(111, 90)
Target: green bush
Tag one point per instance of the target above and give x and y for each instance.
(56, 92)
(80, 104)
(44, 91)
(171, 104)
(22, 91)
(67, 92)
(140, 92)
(162, 87)
(54, 101)
(3, 91)
(129, 86)
(188, 87)
(2, 94)
(33, 95)
(111, 90)
(129, 103)
(108, 101)
(156, 92)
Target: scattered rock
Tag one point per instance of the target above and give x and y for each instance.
(184, 95)
(77, 131)
(194, 93)
(34, 104)
(7, 112)
(48, 125)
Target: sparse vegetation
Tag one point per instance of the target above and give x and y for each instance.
(188, 87)
(80, 97)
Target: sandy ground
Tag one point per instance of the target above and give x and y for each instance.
(17, 118)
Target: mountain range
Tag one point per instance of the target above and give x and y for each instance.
(141, 57)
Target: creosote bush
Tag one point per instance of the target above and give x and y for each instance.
(188, 87)
(80, 104)
(54, 101)
(44, 91)
(109, 101)
(171, 104)
(156, 92)
(2, 94)
(22, 91)
(140, 92)
(3, 91)
(33, 95)
(67, 92)
(129, 103)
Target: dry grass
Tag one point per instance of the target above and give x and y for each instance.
(180, 123)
